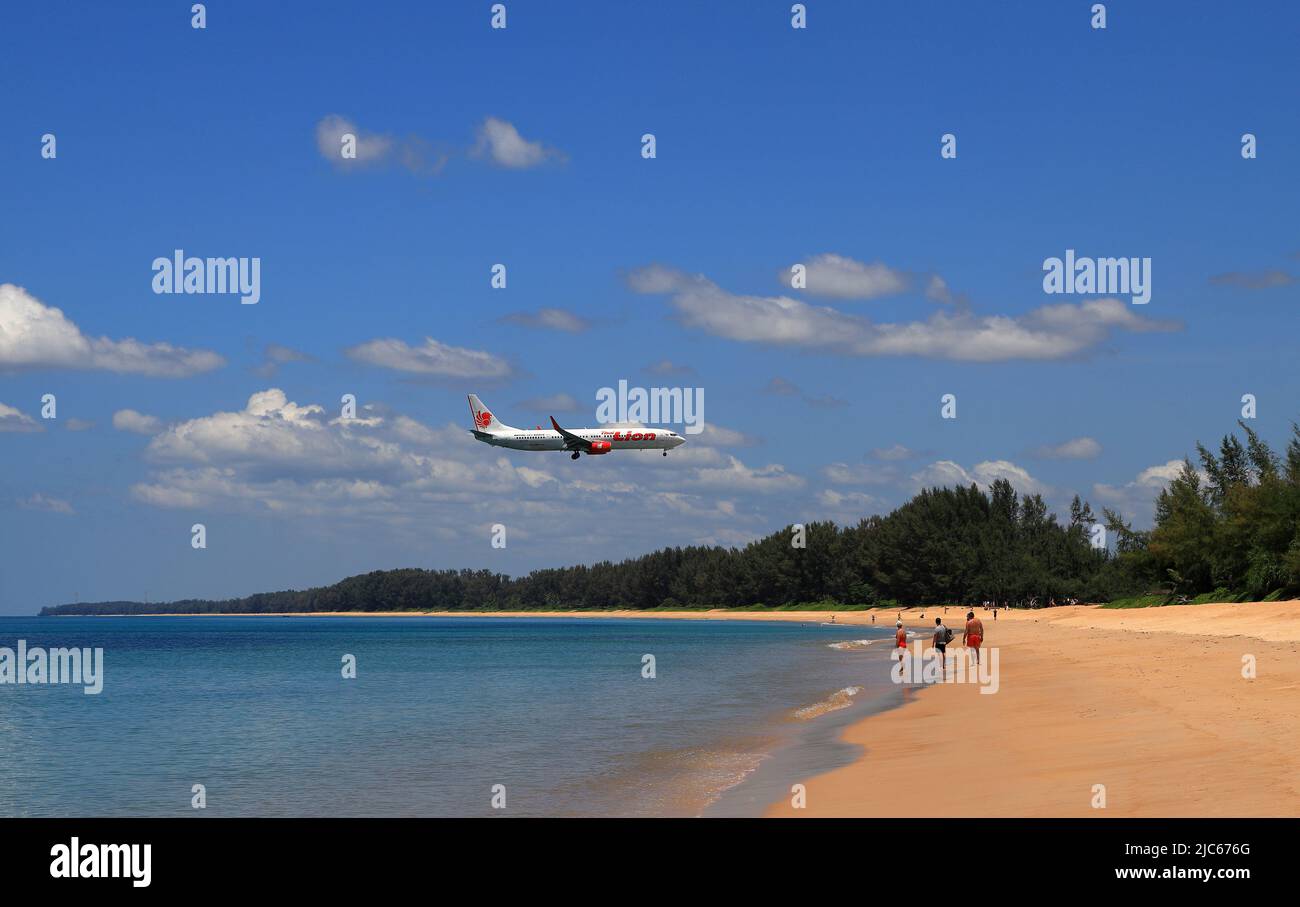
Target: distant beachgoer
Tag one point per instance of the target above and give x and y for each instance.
(973, 635)
(900, 636)
(832, 618)
(873, 618)
(941, 641)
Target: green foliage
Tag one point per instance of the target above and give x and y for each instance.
(1230, 532)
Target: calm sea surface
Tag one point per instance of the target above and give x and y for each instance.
(441, 710)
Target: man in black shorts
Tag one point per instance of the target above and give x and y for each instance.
(941, 642)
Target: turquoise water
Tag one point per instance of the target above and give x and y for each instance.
(442, 709)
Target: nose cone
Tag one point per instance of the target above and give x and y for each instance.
(678, 441)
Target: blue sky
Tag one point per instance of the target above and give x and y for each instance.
(522, 146)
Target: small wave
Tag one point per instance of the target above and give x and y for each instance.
(840, 699)
(852, 644)
(677, 782)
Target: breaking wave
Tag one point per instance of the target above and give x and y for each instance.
(840, 699)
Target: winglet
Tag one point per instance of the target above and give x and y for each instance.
(571, 441)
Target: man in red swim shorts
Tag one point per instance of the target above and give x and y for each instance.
(973, 635)
(900, 636)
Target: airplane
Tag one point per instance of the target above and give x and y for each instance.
(591, 441)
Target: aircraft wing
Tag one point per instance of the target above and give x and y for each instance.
(571, 441)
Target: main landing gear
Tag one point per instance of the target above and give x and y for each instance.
(665, 453)
(574, 456)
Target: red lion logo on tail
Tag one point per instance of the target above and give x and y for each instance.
(484, 419)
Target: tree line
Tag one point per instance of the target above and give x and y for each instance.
(1233, 525)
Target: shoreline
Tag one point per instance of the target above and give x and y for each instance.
(623, 613)
(1148, 702)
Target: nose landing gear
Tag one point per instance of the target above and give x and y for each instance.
(665, 453)
(574, 456)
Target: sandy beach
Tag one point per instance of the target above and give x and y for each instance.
(1151, 703)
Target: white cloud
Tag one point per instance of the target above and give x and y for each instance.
(271, 430)
(36, 336)
(386, 473)
(78, 425)
(496, 140)
(936, 289)
(718, 436)
(848, 506)
(1074, 449)
(736, 476)
(290, 457)
(371, 147)
(860, 474)
(431, 358)
(407, 429)
(139, 423)
(550, 319)
(45, 503)
(375, 149)
(1057, 331)
(501, 143)
(946, 473)
(844, 278)
(893, 453)
(276, 355)
(1152, 479)
(13, 420)
(1134, 499)
(1160, 475)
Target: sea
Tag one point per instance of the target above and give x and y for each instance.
(466, 716)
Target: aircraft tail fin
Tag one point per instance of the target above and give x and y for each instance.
(484, 421)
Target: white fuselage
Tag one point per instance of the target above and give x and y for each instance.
(619, 439)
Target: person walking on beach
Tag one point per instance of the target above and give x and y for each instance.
(900, 635)
(941, 642)
(973, 635)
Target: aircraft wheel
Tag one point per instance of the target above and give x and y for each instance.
(665, 453)
(575, 456)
